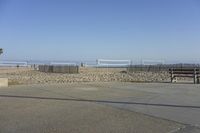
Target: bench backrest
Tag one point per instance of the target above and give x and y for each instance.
(184, 70)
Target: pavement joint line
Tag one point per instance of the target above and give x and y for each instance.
(103, 101)
(149, 101)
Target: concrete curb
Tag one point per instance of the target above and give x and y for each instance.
(3, 82)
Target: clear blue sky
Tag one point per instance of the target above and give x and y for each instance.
(90, 29)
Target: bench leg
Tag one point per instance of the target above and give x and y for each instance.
(197, 80)
(172, 78)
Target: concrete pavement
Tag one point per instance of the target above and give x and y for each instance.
(100, 107)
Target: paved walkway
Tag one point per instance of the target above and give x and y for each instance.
(101, 107)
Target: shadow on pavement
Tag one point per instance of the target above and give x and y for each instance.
(100, 101)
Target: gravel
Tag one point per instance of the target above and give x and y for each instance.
(29, 76)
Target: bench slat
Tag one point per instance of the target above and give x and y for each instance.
(183, 72)
(190, 76)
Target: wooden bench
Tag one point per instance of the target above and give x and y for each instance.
(185, 72)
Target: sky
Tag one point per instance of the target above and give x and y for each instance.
(108, 29)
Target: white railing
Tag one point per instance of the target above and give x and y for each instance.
(13, 63)
(113, 63)
(153, 62)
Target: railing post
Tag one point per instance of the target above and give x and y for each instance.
(172, 75)
(198, 75)
(195, 76)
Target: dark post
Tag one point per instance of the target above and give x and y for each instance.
(1, 51)
(172, 75)
(197, 80)
(195, 75)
